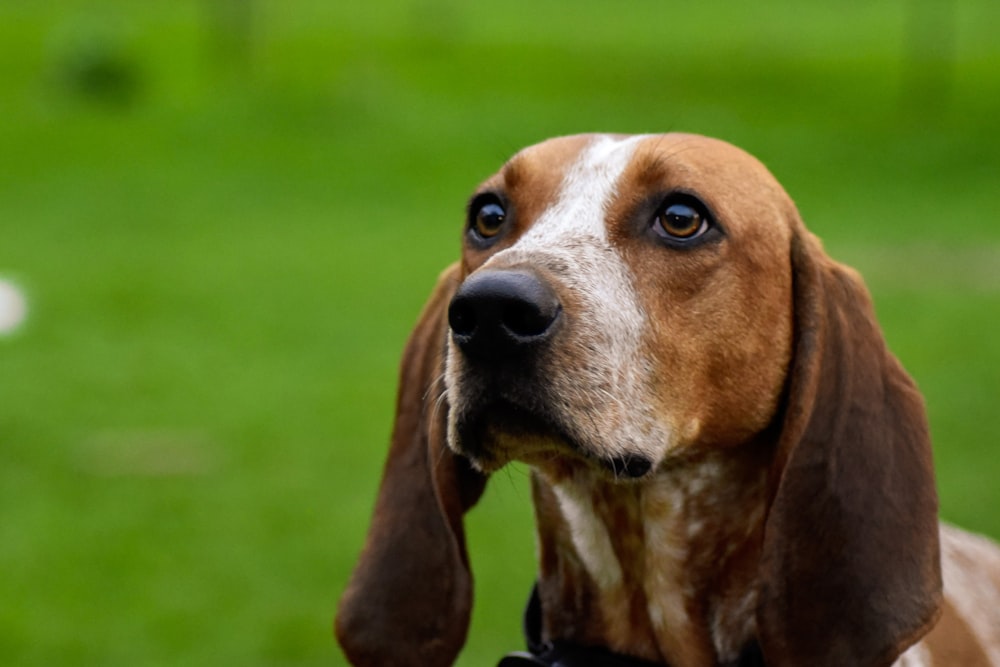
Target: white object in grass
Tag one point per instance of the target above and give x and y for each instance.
(13, 307)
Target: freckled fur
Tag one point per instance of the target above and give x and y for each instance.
(599, 369)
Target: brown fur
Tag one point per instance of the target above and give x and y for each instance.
(792, 503)
(414, 561)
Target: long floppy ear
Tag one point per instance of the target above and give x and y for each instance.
(850, 563)
(409, 599)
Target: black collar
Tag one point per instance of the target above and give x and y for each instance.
(565, 654)
(562, 654)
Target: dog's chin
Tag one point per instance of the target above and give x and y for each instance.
(494, 436)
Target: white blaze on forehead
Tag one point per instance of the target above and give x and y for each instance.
(609, 411)
(587, 189)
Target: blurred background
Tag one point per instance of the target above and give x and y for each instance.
(220, 218)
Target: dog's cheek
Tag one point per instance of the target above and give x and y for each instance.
(745, 376)
(753, 371)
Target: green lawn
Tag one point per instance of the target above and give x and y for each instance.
(225, 242)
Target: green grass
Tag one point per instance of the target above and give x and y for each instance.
(223, 259)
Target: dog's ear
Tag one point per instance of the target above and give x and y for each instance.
(850, 562)
(409, 599)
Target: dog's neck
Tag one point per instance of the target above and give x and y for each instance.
(662, 569)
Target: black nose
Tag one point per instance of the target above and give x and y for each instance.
(496, 315)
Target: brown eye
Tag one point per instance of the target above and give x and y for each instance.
(680, 221)
(489, 220)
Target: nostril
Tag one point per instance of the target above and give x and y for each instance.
(527, 319)
(462, 317)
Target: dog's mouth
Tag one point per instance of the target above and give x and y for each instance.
(502, 431)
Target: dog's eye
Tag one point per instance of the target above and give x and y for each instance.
(680, 222)
(489, 219)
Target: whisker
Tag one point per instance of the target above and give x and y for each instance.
(436, 382)
(438, 402)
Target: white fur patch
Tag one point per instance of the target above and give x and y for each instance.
(590, 535)
(586, 192)
(966, 563)
(916, 656)
(666, 543)
(730, 631)
(608, 393)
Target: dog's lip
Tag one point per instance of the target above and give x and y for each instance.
(503, 430)
(507, 418)
(498, 430)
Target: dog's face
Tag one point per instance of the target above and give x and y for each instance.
(624, 304)
(624, 300)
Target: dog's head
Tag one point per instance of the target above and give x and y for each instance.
(622, 301)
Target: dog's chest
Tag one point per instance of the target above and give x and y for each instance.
(661, 570)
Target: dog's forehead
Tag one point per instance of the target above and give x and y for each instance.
(540, 171)
(629, 167)
(645, 156)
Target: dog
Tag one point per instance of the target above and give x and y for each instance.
(728, 465)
